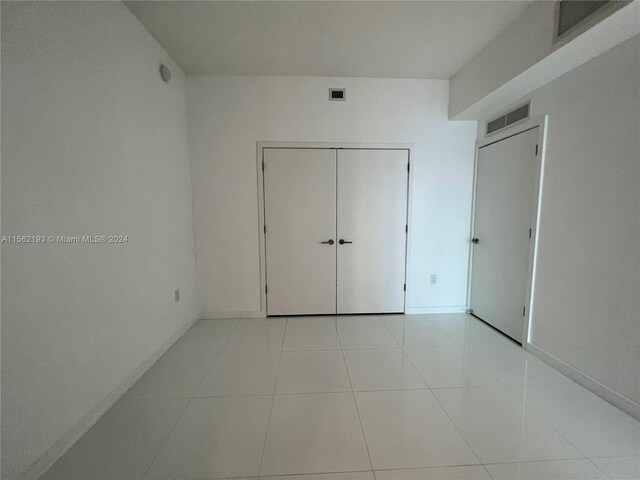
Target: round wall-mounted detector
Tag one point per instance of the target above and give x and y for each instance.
(165, 73)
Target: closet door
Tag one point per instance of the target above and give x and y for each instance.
(504, 210)
(371, 219)
(300, 220)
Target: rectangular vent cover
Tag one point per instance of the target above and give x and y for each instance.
(337, 94)
(509, 118)
(574, 12)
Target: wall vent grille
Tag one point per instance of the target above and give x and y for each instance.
(574, 12)
(497, 124)
(337, 94)
(507, 119)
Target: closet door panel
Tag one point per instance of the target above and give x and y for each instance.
(371, 218)
(300, 214)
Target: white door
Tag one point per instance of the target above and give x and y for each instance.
(504, 209)
(300, 220)
(371, 220)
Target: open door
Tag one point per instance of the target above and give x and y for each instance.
(507, 173)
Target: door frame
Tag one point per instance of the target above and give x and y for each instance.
(541, 122)
(261, 145)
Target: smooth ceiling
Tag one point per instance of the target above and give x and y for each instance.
(345, 38)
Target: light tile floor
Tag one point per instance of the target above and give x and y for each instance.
(415, 397)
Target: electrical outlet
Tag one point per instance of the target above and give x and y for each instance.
(433, 278)
(176, 295)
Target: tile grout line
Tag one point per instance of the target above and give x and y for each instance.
(613, 456)
(291, 394)
(355, 402)
(441, 331)
(409, 469)
(545, 461)
(146, 472)
(503, 385)
(544, 421)
(292, 476)
(538, 415)
(456, 465)
(484, 466)
(517, 462)
(594, 464)
(394, 337)
(444, 410)
(273, 398)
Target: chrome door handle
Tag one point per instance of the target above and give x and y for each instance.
(342, 242)
(329, 242)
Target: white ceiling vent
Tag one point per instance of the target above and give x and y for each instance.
(507, 119)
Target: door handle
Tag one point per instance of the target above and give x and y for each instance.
(475, 241)
(329, 242)
(342, 242)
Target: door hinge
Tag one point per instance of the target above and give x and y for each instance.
(405, 287)
(536, 149)
(265, 290)
(524, 309)
(529, 233)
(406, 229)
(263, 165)
(408, 167)
(265, 229)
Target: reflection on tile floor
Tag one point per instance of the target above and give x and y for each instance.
(415, 397)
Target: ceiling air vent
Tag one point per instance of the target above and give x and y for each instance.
(507, 119)
(574, 12)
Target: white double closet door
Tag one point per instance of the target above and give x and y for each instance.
(335, 235)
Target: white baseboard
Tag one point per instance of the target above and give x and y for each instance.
(611, 396)
(59, 448)
(214, 315)
(418, 310)
(232, 314)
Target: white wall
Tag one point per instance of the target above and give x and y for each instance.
(587, 285)
(93, 142)
(229, 114)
